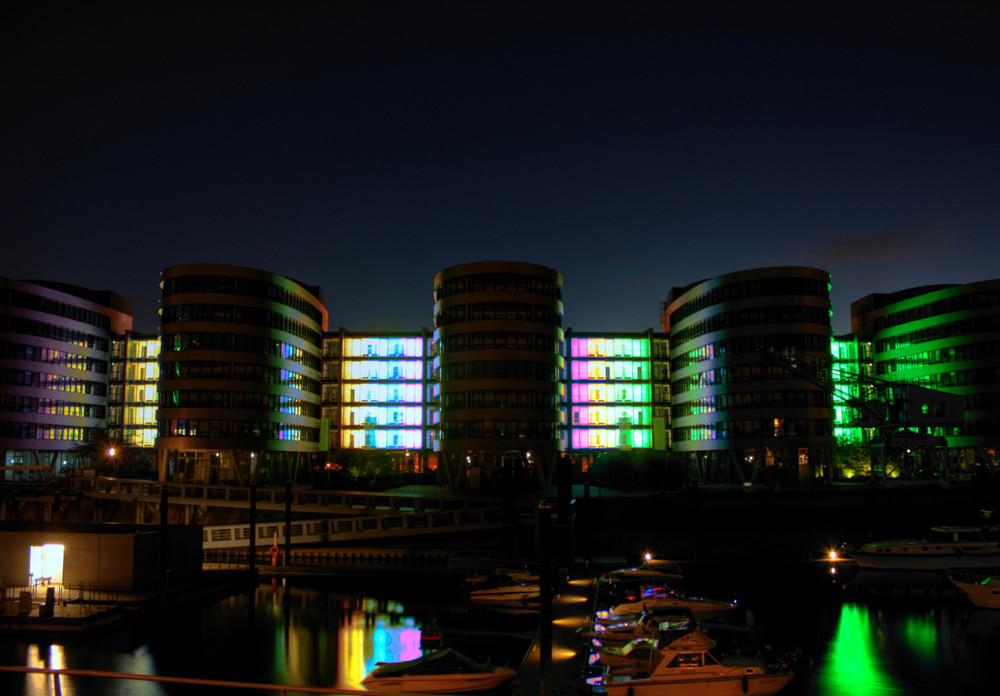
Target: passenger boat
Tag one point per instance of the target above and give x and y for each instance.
(687, 666)
(444, 671)
(946, 547)
(981, 586)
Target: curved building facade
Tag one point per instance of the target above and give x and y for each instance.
(947, 339)
(498, 356)
(55, 350)
(749, 355)
(240, 375)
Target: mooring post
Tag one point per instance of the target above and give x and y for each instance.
(545, 598)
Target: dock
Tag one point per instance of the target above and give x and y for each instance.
(572, 609)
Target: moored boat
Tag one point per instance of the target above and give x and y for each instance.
(981, 586)
(618, 631)
(944, 548)
(656, 598)
(688, 666)
(500, 588)
(443, 671)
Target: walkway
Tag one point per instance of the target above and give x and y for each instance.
(572, 608)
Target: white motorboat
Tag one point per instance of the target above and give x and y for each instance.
(619, 631)
(634, 653)
(502, 589)
(981, 586)
(687, 666)
(655, 598)
(656, 571)
(443, 671)
(945, 547)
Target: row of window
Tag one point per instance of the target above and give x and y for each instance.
(913, 361)
(51, 356)
(256, 430)
(765, 287)
(30, 327)
(247, 287)
(240, 343)
(374, 347)
(746, 345)
(623, 416)
(752, 400)
(135, 372)
(37, 303)
(731, 374)
(374, 393)
(505, 398)
(591, 393)
(237, 314)
(499, 369)
(983, 376)
(751, 428)
(44, 380)
(755, 316)
(498, 282)
(958, 303)
(49, 407)
(613, 370)
(138, 348)
(490, 311)
(500, 430)
(407, 370)
(263, 374)
(502, 340)
(382, 415)
(251, 401)
(967, 327)
(43, 431)
(617, 347)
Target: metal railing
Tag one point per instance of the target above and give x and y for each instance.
(283, 689)
(353, 529)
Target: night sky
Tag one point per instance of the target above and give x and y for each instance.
(364, 147)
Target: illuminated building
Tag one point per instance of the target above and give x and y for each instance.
(135, 374)
(944, 338)
(55, 343)
(240, 359)
(851, 374)
(748, 350)
(617, 391)
(377, 394)
(499, 359)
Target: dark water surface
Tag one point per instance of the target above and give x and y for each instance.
(888, 634)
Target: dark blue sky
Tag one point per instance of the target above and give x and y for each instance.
(364, 148)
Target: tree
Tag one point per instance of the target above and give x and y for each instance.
(851, 459)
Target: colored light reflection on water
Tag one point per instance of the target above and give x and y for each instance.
(349, 635)
(855, 656)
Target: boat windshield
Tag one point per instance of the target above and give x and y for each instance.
(687, 660)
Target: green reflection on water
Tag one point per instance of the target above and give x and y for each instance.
(919, 634)
(854, 658)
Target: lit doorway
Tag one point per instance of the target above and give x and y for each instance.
(46, 563)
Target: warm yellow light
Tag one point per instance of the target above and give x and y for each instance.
(563, 654)
(833, 555)
(111, 451)
(648, 557)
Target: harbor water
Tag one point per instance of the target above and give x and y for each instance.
(885, 634)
